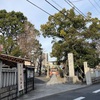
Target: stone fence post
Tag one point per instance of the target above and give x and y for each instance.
(87, 74)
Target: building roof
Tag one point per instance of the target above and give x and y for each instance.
(12, 60)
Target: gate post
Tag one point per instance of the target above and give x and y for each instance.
(71, 64)
(33, 77)
(72, 77)
(87, 74)
(26, 79)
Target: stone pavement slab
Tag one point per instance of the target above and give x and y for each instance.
(42, 90)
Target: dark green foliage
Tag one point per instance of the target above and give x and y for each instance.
(73, 33)
(11, 23)
(10, 46)
(18, 36)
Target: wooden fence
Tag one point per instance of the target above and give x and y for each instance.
(9, 77)
(9, 84)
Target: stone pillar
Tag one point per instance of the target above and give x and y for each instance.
(71, 65)
(87, 74)
(0, 74)
(72, 78)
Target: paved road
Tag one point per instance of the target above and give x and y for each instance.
(87, 93)
(44, 90)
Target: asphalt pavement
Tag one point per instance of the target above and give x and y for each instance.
(91, 92)
(44, 90)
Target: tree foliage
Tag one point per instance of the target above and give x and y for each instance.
(28, 40)
(10, 46)
(73, 33)
(11, 23)
(18, 36)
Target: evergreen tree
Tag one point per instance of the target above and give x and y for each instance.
(73, 33)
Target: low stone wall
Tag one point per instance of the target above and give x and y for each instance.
(8, 93)
(11, 92)
(95, 80)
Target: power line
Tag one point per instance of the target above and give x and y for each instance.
(59, 10)
(77, 8)
(38, 7)
(94, 6)
(46, 11)
(41, 9)
(77, 0)
(57, 4)
(97, 3)
(54, 7)
(72, 5)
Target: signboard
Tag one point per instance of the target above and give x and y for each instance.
(20, 77)
(27, 63)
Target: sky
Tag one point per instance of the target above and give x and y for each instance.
(38, 17)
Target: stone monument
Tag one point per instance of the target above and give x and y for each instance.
(72, 78)
(71, 65)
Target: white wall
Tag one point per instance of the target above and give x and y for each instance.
(95, 72)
